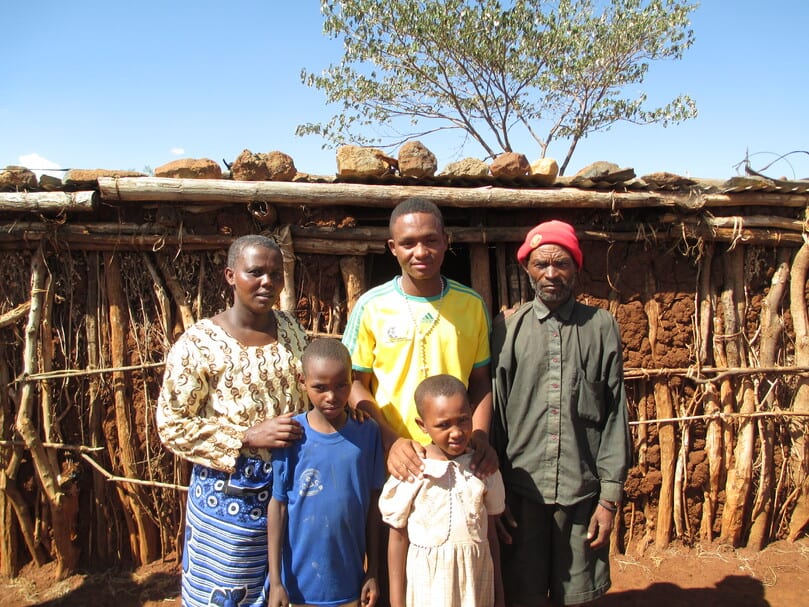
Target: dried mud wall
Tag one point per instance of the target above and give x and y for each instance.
(714, 347)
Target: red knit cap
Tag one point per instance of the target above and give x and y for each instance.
(551, 232)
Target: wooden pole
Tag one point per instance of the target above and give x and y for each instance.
(706, 295)
(341, 241)
(668, 454)
(64, 548)
(162, 299)
(713, 452)
(48, 202)
(215, 191)
(9, 538)
(289, 297)
(737, 487)
(727, 399)
(352, 268)
(799, 464)
(93, 317)
(481, 274)
(177, 291)
(705, 308)
(771, 330)
(502, 277)
(143, 535)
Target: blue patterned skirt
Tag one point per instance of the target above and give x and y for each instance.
(225, 552)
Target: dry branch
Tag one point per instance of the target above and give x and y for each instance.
(63, 446)
(738, 222)
(15, 315)
(133, 481)
(720, 373)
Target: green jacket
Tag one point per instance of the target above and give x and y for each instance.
(560, 418)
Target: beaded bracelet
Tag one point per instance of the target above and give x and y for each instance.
(612, 507)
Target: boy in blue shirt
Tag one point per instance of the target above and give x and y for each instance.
(323, 519)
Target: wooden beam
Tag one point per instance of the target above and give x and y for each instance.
(351, 241)
(216, 191)
(48, 202)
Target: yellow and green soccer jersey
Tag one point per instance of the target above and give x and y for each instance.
(382, 338)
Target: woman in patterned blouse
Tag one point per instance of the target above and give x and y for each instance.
(230, 388)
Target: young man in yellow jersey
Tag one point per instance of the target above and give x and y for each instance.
(414, 326)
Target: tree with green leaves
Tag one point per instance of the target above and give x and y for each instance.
(558, 69)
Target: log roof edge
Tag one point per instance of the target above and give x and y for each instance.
(493, 194)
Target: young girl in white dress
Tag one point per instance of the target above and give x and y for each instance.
(443, 547)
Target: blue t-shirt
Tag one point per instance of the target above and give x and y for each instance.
(326, 481)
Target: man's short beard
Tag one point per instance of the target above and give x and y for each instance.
(554, 298)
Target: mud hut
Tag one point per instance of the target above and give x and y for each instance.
(102, 271)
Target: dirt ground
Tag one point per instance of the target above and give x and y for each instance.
(715, 576)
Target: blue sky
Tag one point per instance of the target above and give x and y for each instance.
(119, 85)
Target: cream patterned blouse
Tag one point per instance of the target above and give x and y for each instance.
(215, 388)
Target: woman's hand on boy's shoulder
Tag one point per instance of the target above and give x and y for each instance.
(273, 433)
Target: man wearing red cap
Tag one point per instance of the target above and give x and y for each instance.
(560, 429)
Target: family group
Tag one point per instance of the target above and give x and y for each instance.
(431, 458)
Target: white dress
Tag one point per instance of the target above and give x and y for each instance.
(446, 515)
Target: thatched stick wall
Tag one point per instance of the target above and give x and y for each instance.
(716, 362)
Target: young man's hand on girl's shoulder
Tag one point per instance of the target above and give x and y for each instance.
(484, 459)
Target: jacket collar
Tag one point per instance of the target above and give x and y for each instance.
(564, 312)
